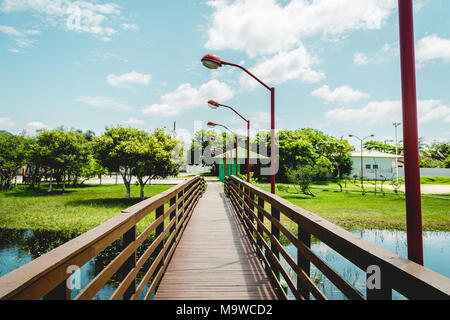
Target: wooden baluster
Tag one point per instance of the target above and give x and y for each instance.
(159, 230)
(128, 238)
(180, 205)
(261, 218)
(60, 292)
(174, 213)
(385, 290)
(276, 233)
(252, 207)
(302, 262)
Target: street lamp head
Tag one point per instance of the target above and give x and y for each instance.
(212, 124)
(213, 104)
(211, 61)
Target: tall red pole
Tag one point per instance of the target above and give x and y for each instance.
(272, 139)
(410, 133)
(248, 150)
(237, 156)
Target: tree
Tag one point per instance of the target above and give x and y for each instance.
(63, 152)
(382, 147)
(12, 157)
(117, 149)
(307, 147)
(202, 145)
(157, 158)
(302, 176)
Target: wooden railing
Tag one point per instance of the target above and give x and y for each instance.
(46, 276)
(254, 205)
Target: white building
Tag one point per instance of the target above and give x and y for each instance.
(375, 164)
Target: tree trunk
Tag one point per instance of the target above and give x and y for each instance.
(142, 191)
(64, 182)
(127, 185)
(51, 179)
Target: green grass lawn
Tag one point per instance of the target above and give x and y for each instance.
(431, 180)
(354, 211)
(74, 212)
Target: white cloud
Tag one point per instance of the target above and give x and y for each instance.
(378, 112)
(34, 126)
(105, 103)
(283, 67)
(432, 47)
(14, 50)
(33, 32)
(268, 27)
(186, 97)
(10, 31)
(134, 121)
(128, 78)
(361, 59)
(386, 51)
(130, 26)
(79, 16)
(343, 94)
(6, 124)
(24, 43)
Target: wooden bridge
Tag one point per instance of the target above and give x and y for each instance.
(217, 242)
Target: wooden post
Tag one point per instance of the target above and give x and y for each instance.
(302, 262)
(61, 292)
(159, 230)
(385, 290)
(261, 218)
(251, 206)
(276, 233)
(174, 213)
(180, 205)
(128, 238)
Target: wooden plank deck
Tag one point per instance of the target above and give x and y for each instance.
(214, 259)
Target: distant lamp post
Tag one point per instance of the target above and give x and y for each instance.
(396, 125)
(214, 105)
(212, 125)
(213, 62)
(362, 156)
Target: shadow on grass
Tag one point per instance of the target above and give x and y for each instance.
(104, 202)
(27, 193)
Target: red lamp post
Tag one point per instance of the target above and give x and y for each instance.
(214, 105)
(410, 133)
(212, 125)
(213, 62)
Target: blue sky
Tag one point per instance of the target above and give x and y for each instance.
(335, 65)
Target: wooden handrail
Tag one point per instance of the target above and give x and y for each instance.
(397, 273)
(45, 277)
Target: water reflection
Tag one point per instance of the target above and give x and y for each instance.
(436, 256)
(18, 247)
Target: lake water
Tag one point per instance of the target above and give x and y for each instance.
(19, 247)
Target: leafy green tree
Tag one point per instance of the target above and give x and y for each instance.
(118, 149)
(382, 147)
(157, 158)
(12, 157)
(436, 156)
(202, 145)
(308, 148)
(63, 152)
